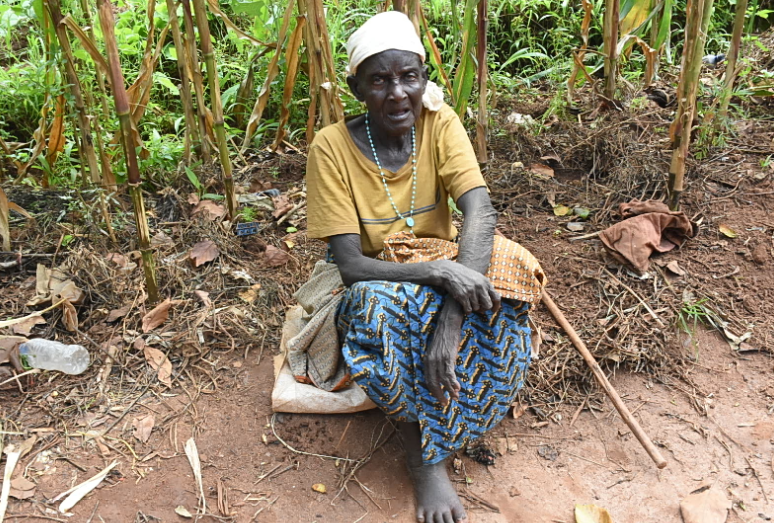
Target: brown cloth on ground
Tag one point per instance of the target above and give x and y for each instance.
(647, 227)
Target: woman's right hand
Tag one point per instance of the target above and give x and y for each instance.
(472, 290)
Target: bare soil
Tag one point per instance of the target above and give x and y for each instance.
(542, 473)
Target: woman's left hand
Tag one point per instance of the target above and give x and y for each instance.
(440, 362)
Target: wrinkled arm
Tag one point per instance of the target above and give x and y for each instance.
(474, 253)
(354, 266)
(476, 240)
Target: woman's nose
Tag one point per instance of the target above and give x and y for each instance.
(396, 90)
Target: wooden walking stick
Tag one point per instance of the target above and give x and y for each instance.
(643, 438)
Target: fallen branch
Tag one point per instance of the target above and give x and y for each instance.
(603, 381)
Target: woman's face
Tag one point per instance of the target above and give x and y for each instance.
(391, 84)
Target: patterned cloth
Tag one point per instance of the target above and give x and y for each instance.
(514, 272)
(385, 328)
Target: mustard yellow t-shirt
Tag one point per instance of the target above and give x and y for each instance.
(345, 193)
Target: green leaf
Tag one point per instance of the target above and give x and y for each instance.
(562, 210)
(581, 212)
(664, 29)
(210, 196)
(249, 8)
(291, 229)
(464, 77)
(161, 78)
(453, 206)
(193, 178)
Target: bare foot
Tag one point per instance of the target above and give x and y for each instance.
(437, 500)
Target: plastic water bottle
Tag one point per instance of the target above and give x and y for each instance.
(52, 355)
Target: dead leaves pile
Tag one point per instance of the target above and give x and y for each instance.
(52, 289)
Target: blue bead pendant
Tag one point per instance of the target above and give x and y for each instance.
(410, 222)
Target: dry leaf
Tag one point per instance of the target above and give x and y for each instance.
(67, 290)
(143, 426)
(22, 488)
(591, 514)
(518, 410)
(69, 316)
(193, 198)
(119, 260)
(204, 252)
(551, 158)
(209, 210)
(160, 238)
(674, 267)
(562, 210)
(541, 171)
(77, 493)
(25, 327)
(706, 505)
(157, 316)
(192, 453)
(275, 257)
(181, 511)
(158, 361)
(53, 286)
(5, 210)
(281, 205)
(727, 231)
(319, 487)
(204, 297)
(251, 294)
(117, 314)
(574, 226)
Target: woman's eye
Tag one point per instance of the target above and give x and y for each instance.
(378, 80)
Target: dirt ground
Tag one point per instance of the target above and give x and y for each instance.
(541, 475)
(707, 404)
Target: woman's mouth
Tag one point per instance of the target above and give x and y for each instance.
(399, 116)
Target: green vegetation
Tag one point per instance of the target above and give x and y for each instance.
(204, 78)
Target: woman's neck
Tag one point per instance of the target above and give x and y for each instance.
(393, 151)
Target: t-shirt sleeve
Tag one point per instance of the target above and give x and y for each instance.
(457, 163)
(330, 205)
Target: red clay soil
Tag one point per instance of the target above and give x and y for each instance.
(541, 475)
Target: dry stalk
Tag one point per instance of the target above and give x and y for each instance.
(133, 172)
(697, 21)
(217, 106)
(192, 130)
(482, 119)
(195, 73)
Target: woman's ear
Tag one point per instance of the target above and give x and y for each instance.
(355, 88)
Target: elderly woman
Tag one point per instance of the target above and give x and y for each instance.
(441, 346)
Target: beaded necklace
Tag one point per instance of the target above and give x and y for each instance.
(410, 216)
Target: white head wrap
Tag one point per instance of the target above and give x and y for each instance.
(390, 30)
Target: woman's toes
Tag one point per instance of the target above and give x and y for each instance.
(421, 517)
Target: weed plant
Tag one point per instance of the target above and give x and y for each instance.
(529, 41)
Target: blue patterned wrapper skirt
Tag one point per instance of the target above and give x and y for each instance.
(385, 329)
